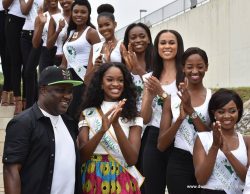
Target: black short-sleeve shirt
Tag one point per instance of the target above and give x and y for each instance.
(30, 142)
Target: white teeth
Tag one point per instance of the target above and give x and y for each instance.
(138, 46)
(227, 122)
(115, 91)
(64, 103)
(195, 77)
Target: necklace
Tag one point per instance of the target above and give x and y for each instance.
(75, 35)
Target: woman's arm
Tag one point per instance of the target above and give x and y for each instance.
(64, 62)
(129, 146)
(188, 108)
(167, 131)
(26, 6)
(53, 33)
(146, 107)
(92, 36)
(89, 71)
(88, 146)
(203, 163)
(39, 25)
(6, 4)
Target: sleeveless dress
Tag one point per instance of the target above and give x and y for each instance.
(77, 52)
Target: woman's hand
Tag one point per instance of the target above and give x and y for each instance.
(117, 112)
(185, 97)
(108, 48)
(42, 19)
(129, 57)
(112, 116)
(153, 85)
(106, 121)
(98, 61)
(217, 135)
(61, 25)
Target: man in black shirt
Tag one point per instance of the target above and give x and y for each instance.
(40, 152)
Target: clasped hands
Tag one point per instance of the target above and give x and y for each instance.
(112, 116)
(104, 57)
(219, 140)
(186, 107)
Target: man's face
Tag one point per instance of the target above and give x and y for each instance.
(56, 98)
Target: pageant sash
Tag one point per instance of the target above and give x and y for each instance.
(109, 143)
(226, 175)
(187, 134)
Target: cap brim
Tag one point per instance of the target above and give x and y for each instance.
(73, 82)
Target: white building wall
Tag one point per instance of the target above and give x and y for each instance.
(222, 29)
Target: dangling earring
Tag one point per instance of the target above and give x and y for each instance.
(215, 118)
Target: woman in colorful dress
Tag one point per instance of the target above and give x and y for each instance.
(183, 115)
(221, 156)
(110, 133)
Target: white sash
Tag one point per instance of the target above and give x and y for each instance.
(226, 175)
(109, 143)
(187, 134)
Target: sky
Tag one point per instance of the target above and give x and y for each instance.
(128, 11)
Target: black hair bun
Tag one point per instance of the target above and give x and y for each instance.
(105, 8)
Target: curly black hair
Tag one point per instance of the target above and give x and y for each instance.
(94, 94)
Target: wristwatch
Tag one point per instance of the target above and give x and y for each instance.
(164, 96)
(194, 115)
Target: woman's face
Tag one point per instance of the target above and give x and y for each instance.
(112, 84)
(52, 3)
(194, 68)
(80, 15)
(139, 39)
(167, 46)
(66, 4)
(106, 27)
(227, 115)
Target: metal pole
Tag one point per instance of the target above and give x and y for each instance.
(142, 10)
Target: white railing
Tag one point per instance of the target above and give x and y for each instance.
(165, 13)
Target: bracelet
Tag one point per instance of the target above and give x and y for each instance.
(82, 123)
